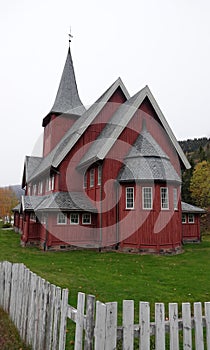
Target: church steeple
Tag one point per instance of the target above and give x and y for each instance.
(67, 99)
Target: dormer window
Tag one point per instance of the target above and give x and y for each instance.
(85, 180)
(99, 174)
(92, 177)
(40, 187)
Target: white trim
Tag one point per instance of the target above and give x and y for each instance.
(92, 177)
(126, 197)
(86, 223)
(99, 173)
(74, 223)
(175, 198)
(143, 197)
(64, 216)
(161, 198)
(193, 218)
(184, 218)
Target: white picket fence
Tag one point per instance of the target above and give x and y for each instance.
(40, 311)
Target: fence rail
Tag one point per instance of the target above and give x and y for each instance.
(40, 311)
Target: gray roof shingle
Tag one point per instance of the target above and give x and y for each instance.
(67, 99)
(66, 201)
(189, 208)
(147, 161)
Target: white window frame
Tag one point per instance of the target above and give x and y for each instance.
(33, 216)
(175, 198)
(92, 177)
(83, 216)
(40, 187)
(145, 198)
(126, 200)
(52, 182)
(61, 221)
(163, 199)
(99, 174)
(43, 219)
(74, 223)
(29, 189)
(184, 218)
(85, 180)
(191, 218)
(34, 189)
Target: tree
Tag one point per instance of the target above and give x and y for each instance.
(200, 184)
(8, 200)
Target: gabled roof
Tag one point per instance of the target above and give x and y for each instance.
(31, 164)
(189, 208)
(67, 99)
(55, 157)
(100, 148)
(146, 161)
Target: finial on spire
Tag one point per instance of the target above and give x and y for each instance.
(70, 36)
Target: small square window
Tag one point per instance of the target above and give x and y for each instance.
(191, 218)
(184, 218)
(61, 218)
(74, 219)
(86, 219)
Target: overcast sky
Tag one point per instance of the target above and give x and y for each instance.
(162, 43)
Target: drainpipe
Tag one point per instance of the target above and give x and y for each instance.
(100, 214)
(117, 215)
(46, 234)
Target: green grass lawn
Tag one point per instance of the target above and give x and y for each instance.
(117, 276)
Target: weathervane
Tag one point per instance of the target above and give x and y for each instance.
(70, 36)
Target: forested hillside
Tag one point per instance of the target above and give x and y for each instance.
(196, 181)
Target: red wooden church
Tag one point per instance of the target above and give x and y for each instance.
(109, 177)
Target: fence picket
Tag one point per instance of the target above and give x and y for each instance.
(174, 331)
(79, 321)
(187, 328)
(128, 324)
(160, 326)
(198, 326)
(100, 332)
(40, 312)
(49, 320)
(2, 284)
(89, 328)
(56, 317)
(144, 318)
(7, 290)
(111, 326)
(207, 315)
(64, 311)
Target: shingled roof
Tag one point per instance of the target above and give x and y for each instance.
(66, 201)
(100, 148)
(146, 161)
(55, 157)
(189, 208)
(67, 99)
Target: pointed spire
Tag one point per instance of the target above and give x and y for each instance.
(67, 99)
